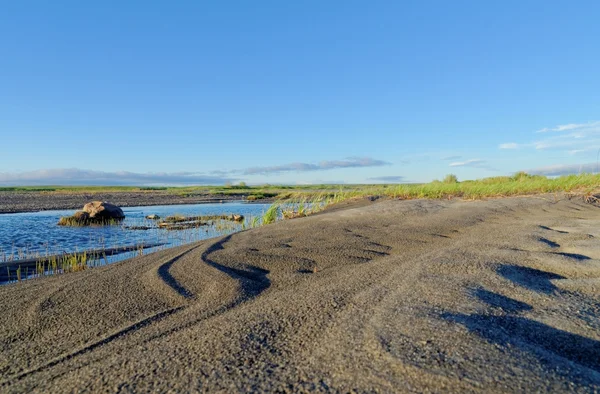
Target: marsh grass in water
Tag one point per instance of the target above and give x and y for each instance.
(271, 215)
(75, 221)
(51, 256)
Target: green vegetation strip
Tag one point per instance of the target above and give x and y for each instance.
(77, 261)
(518, 184)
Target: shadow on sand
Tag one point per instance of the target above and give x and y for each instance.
(499, 301)
(530, 278)
(253, 281)
(552, 346)
(530, 335)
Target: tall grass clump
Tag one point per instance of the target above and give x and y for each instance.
(271, 215)
(451, 178)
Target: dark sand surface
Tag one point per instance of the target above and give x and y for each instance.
(408, 296)
(13, 202)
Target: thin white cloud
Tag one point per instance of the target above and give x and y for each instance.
(473, 163)
(76, 176)
(450, 158)
(569, 127)
(571, 138)
(593, 148)
(351, 162)
(509, 145)
(468, 163)
(565, 169)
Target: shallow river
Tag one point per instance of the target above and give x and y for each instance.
(32, 234)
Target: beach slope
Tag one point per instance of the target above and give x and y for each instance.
(394, 296)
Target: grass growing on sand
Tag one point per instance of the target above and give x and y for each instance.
(520, 184)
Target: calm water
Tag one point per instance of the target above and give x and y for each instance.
(27, 234)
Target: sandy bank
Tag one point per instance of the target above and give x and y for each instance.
(395, 296)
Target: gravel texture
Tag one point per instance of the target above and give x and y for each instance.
(393, 296)
(13, 202)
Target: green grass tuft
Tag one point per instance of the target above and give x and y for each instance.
(271, 215)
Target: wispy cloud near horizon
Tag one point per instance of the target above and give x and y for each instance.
(76, 176)
(350, 162)
(389, 178)
(564, 169)
(474, 163)
(572, 138)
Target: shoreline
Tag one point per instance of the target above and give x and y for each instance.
(42, 265)
(380, 296)
(23, 202)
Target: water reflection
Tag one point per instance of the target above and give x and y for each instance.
(26, 235)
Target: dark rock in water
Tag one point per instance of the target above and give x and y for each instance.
(182, 225)
(138, 228)
(103, 210)
(153, 217)
(237, 218)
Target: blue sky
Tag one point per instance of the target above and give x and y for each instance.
(296, 92)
